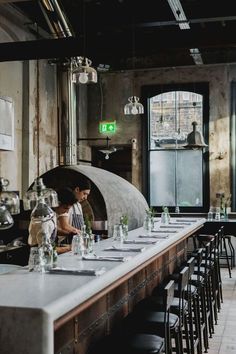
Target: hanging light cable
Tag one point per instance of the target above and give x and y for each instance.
(84, 73)
(134, 107)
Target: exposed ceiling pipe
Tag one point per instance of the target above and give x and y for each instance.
(60, 28)
(56, 19)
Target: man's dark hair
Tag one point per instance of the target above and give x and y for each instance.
(82, 182)
(66, 196)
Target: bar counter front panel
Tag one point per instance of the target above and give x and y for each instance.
(52, 313)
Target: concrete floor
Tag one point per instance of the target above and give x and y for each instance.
(223, 340)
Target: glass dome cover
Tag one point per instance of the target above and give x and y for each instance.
(10, 199)
(6, 220)
(39, 191)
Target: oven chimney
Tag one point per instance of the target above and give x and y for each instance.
(60, 28)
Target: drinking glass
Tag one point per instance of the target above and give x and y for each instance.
(147, 225)
(118, 234)
(77, 246)
(210, 214)
(164, 218)
(217, 214)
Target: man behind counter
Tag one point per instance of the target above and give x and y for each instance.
(71, 221)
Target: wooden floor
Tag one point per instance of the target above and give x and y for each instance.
(224, 338)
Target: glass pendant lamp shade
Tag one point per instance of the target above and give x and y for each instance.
(84, 73)
(133, 107)
(42, 212)
(6, 220)
(9, 199)
(39, 190)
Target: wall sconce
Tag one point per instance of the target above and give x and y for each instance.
(107, 151)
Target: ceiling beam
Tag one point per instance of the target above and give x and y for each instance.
(191, 21)
(10, 1)
(69, 47)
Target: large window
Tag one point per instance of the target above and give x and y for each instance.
(176, 175)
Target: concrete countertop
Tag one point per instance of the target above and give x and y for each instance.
(31, 301)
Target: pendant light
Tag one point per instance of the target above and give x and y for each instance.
(83, 72)
(195, 139)
(40, 192)
(133, 107)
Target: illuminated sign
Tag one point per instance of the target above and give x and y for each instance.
(107, 127)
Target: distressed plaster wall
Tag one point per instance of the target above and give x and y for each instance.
(117, 87)
(33, 88)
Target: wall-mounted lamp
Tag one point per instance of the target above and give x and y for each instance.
(107, 150)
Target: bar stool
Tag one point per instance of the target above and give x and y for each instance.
(137, 343)
(193, 328)
(198, 282)
(224, 251)
(160, 323)
(231, 250)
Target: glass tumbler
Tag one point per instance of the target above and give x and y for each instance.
(217, 214)
(118, 234)
(210, 215)
(147, 225)
(77, 246)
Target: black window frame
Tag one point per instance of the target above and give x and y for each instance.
(149, 91)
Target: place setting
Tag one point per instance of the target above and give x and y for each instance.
(155, 236)
(75, 271)
(94, 257)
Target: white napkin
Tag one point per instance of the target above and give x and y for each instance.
(154, 236)
(104, 258)
(73, 271)
(148, 242)
(171, 227)
(187, 220)
(164, 231)
(179, 223)
(125, 249)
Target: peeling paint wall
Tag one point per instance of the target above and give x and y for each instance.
(33, 88)
(117, 87)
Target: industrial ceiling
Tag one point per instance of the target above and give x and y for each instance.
(128, 34)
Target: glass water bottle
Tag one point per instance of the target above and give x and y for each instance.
(45, 254)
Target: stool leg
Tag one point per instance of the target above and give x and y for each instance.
(227, 257)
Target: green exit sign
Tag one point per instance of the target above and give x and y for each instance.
(107, 127)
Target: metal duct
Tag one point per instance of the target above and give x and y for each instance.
(55, 18)
(67, 113)
(59, 27)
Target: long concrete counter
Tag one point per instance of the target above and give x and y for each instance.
(57, 313)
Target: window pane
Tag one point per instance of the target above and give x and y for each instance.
(170, 183)
(171, 117)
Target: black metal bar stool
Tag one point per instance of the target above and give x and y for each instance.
(160, 323)
(230, 259)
